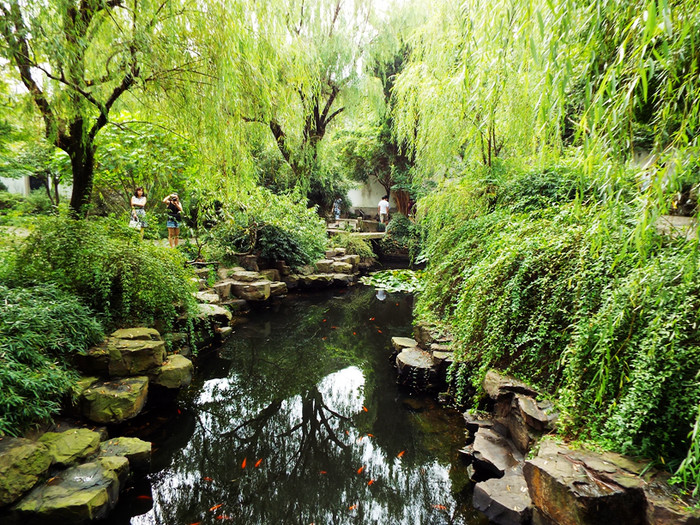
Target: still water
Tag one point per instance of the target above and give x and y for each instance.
(298, 419)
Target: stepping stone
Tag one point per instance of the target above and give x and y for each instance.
(208, 297)
(504, 501)
(71, 446)
(82, 493)
(317, 280)
(176, 372)
(245, 276)
(271, 274)
(399, 343)
(324, 265)
(251, 290)
(493, 455)
(115, 401)
(137, 451)
(341, 267)
(278, 288)
(138, 334)
(223, 289)
(22, 463)
(123, 357)
(216, 314)
(415, 368)
(343, 279)
(352, 259)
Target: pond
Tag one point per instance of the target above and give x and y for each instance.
(298, 419)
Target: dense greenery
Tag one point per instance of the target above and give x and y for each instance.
(107, 266)
(41, 328)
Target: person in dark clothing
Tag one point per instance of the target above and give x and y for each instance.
(174, 218)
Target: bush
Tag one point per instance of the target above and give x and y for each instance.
(41, 329)
(109, 267)
(402, 236)
(598, 310)
(352, 245)
(271, 226)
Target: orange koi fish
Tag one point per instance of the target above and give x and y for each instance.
(207, 478)
(323, 472)
(371, 318)
(359, 470)
(352, 507)
(370, 435)
(216, 507)
(257, 463)
(378, 330)
(440, 507)
(400, 454)
(364, 408)
(371, 482)
(143, 496)
(245, 460)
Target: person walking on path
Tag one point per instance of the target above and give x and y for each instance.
(336, 208)
(138, 205)
(174, 218)
(383, 209)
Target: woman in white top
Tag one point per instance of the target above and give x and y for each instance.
(138, 205)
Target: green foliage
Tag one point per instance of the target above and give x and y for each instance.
(395, 280)
(571, 296)
(41, 328)
(352, 244)
(402, 236)
(262, 223)
(17, 209)
(106, 264)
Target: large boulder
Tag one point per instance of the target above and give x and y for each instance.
(207, 297)
(213, 314)
(176, 372)
(119, 465)
(493, 455)
(116, 400)
(415, 367)
(271, 274)
(324, 265)
(497, 385)
(80, 494)
(341, 267)
(137, 451)
(576, 487)
(278, 288)
(251, 290)
(399, 343)
(504, 501)
(123, 357)
(245, 276)
(71, 446)
(140, 333)
(22, 463)
(317, 280)
(343, 279)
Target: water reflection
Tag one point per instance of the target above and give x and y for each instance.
(308, 426)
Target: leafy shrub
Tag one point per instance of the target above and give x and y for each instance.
(41, 328)
(352, 245)
(402, 236)
(579, 298)
(268, 225)
(107, 265)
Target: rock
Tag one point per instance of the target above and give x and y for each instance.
(330, 253)
(340, 252)
(22, 463)
(343, 279)
(474, 422)
(518, 430)
(237, 305)
(249, 262)
(341, 267)
(271, 274)
(497, 385)
(224, 332)
(442, 361)
(415, 368)
(201, 284)
(318, 280)
(438, 347)
(568, 491)
(292, 281)
(71, 446)
(214, 313)
(422, 332)
(324, 265)
(352, 259)
(307, 269)
(245, 276)
(399, 343)
(202, 273)
(82, 493)
(251, 290)
(137, 451)
(283, 268)
(176, 372)
(493, 455)
(115, 401)
(138, 334)
(534, 417)
(278, 288)
(117, 464)
(208, 297)
(504, 501)
(665, 505)
(122, 357)
(223, 289)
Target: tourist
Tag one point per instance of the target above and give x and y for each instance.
(138, 211)
(383, 209)
(336, 208)
(174, 218)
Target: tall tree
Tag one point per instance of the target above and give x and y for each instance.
(78, 58)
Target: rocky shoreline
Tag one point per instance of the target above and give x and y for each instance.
(523, 473)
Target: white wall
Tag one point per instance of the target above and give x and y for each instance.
(368, 196)
(20, 185)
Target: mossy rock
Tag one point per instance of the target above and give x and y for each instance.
(138, 334)
(22, 463)
(176, 372)
(80, 494)
(71, 446)
(137, 451)
(115, 401)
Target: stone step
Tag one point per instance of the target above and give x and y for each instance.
(114, 401)
(22, 463)
(504, 501)
(493, 455)
(416, 368)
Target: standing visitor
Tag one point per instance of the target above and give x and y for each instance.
(383, 209)
(138, 211)
(336, 208)
(174, 218)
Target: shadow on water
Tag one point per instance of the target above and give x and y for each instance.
(298, 419)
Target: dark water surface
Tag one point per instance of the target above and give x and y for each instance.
(298, 420)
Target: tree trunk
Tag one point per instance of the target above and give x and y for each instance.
(82, 159)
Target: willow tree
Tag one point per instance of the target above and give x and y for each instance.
(78, 58)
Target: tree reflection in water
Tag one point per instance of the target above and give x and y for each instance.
(310, 399)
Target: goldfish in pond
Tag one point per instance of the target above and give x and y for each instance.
(257, 463)
(359, 470)
(245, 460)
(216, 507)
(400, 454)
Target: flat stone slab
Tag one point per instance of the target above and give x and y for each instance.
(278, 288)
(505, 501)
(533, 415)
(123, 357)
(316, 280)
(341, 267)
(71, 446)
(497, 385)
(271, 274)
(82, 493)
(223, 289)
(115, 401)
(244, 276)
(176, 372)
(217, 314)
(343, 279)
(415, 367)
(258, 290)
(22, 463)
(399, 343)
(493, 455)
(139, 333)
(137, 451)
(207, 297)
(324, 265)
(352, 259)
